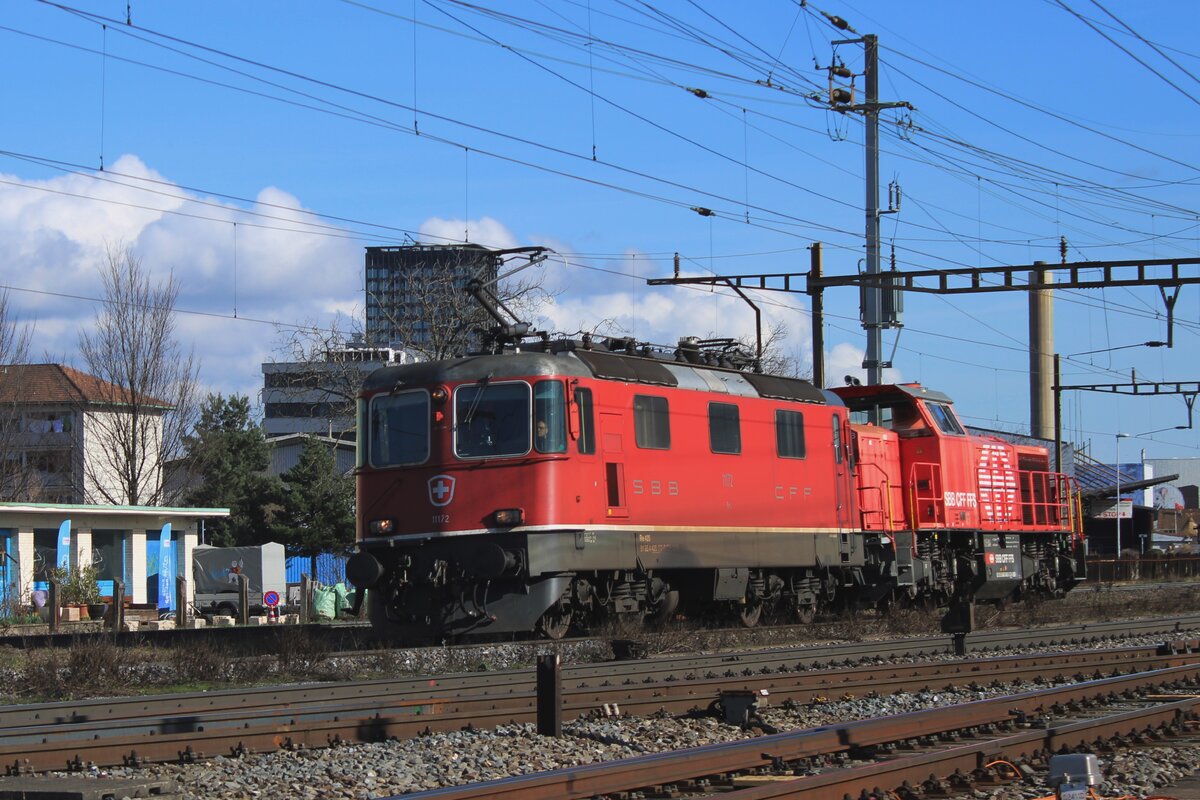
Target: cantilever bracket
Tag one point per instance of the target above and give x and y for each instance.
(1170, 304)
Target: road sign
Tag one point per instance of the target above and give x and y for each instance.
(1110, 509)
(271, 599)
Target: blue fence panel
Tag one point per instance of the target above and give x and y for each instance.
(331, 568)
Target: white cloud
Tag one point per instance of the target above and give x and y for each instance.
(846, 359)
(485, 231)
(56, 232)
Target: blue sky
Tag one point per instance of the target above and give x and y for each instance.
(225, 129)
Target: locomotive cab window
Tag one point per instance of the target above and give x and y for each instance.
(789, 434)
(724, 428)
(399, 429)
(651, 422)
(587, 431)
(945, 419)
(549, 417)
(491, 420)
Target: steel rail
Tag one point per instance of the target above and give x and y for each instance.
(519, 681)
(679, 767)
(175, 736)
(965, 762)
(447, 711)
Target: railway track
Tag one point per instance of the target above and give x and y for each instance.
(186, 727)
(945, 750)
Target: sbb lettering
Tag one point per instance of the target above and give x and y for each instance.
(655, 487)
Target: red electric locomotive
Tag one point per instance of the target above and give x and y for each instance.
(570, 482)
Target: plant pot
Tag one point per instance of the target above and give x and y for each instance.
(97, 610)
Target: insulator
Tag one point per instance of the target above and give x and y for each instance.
(841, 96)
(841, 71)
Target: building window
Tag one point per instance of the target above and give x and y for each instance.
(789, 434)
(651, 422)
(108, 554)
(724, 428)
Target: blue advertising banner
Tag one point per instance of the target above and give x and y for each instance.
(166, 569)
(63, 560)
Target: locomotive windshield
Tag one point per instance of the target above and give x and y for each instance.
(491, 420)
(945, 418)
(399, 430)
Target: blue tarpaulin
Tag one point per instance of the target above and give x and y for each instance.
(331, 568)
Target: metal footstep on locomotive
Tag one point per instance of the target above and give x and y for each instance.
(603, 484)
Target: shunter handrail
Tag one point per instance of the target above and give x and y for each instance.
(1046, 500)
(885, 489)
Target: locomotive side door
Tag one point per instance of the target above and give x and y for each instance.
(843, 488)
(612, 449)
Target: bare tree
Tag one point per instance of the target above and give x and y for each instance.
(322, 373)
(431, 314)
(150, 398)
(17, 479)
(776, 360)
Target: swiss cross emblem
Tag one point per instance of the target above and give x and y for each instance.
(441, 490)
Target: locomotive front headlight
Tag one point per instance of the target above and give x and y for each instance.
(381, 526)
(507, 517)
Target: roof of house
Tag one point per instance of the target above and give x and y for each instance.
(54, 384)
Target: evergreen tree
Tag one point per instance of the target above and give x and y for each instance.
(318, 503)
(230, 454)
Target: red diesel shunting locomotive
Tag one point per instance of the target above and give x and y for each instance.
(566, 483)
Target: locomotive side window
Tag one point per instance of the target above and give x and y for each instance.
(651, 422)
(587, 426)
(789, 434)
(901, 417)
(399, 429)
(491, 420)
(945, 418)
(549, 417)
(724, 428)
(837, 440)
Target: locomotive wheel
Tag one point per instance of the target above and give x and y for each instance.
(556, 622)
(665, 610)
(750, 613)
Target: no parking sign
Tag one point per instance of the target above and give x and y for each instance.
(271, 599)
